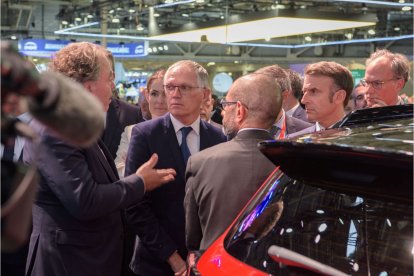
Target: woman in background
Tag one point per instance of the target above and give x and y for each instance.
(155, 95)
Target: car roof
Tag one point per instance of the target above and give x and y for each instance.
(373, 155)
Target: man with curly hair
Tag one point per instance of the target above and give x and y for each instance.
(77, 222)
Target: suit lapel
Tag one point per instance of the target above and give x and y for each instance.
(205, 141)
(106, 160)
(173, 144)
(111, 122)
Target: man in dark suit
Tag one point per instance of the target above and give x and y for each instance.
(284, 125)
(158, 219)
(327, 88)
(77, 225)
(215, 192)
(120, 114)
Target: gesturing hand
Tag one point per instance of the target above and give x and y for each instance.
(153, 178)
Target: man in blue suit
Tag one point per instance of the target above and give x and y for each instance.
(77, 225)
(158, 219)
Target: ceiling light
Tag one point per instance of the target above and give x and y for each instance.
(115, 20)
(236, 61)
(156, 14)
(349, 35)
(71, 25)
(199, 1)
(258, 29)
(211, 64)
(166, 47)
(35, 59)
(131, 10)
(78, 19)
(308, 38)
(221, 16)
(397, 29)
(13, 37)
(89, 16)
(149, 50)
(371, 31)
(406, 8)
(168, 1)
(140, 27)
(64, 22)
(111, 11)
(160, 48)
(401, 1)
(185, 15)
(119, 9)
(122, 29)
(154, 49)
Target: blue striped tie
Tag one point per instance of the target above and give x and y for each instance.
(185, 151)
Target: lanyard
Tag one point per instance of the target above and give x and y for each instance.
(282, 133)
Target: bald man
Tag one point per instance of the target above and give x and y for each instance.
(215, 192)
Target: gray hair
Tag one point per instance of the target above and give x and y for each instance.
(399, 63)
(200, 71)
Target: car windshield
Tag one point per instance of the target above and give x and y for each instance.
(354, 234)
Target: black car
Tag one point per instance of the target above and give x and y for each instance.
(340, 203)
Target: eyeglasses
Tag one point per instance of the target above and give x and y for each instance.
(224, 103)
(184, 89)
(377, 84)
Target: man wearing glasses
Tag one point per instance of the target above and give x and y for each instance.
(158, 219)
(385, 76)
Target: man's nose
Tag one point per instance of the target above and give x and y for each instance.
(304, 99)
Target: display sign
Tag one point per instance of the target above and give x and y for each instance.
(44, 48)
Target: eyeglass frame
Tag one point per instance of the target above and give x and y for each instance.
(376, 84)
(184, 89)
(224, 103)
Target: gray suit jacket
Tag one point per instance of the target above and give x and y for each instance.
(220, 181)
(300, 114)
(77, 225)
(294, 125)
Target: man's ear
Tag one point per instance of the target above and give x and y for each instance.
(88, 85)
(400, 84)
(241, 112)
(285, 94)
(339, 96)
(206, 94)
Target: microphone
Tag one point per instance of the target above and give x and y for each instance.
(68, 108)
(58, 102)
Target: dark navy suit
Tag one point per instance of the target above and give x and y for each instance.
(77, 225)
(158, 219)
(119, 115)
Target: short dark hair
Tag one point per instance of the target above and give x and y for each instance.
(296, 82)
(341, 76)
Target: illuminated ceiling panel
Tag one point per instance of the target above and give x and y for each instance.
(262, 29)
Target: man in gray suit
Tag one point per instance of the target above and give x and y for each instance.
(291, 103)
(215, 192)
(284, 124)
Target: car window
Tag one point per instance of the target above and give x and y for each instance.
(351, 233)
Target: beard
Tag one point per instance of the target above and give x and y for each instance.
(230, 127)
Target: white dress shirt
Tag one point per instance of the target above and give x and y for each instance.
(193, 138)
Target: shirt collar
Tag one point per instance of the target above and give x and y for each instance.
(178, 125)
(292, 110)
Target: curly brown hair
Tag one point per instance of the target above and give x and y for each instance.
(79, 61)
